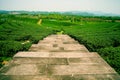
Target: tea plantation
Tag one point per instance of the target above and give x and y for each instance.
(101, 34)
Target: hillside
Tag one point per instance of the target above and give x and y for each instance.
(19, 31)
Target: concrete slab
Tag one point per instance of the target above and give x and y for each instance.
(72, 54)
(54, 55)
(44, 48)
(64, 77)
(88, 77)
(22, 69)
(16, 77)
(57, 47)
(42, 78)
(35, 60)
(86, 60)
(32, 54)
(81, 69)
(57, 39)
(73, 47)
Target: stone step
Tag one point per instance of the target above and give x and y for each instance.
(59, 72)
(57, 47)
(59, 61)
(57, 44)
(78, 69)
(88, 77)
(55, 54)
(87, 60)
(58, 39)
(42, 61)
(25, 77)
(20, 69)
(63, 58)
(63, 77)
(38, 69)
(73, 54)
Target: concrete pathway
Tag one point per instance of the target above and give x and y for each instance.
(58, 57)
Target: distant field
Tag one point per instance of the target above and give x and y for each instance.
(101, 34)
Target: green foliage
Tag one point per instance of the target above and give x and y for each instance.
(112, 56)
(17, 33)
(8, 48)
(24, 37)
(102, 37)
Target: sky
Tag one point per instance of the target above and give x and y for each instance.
(107, 6)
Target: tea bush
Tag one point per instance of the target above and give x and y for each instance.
(112, 56)
(18, 35)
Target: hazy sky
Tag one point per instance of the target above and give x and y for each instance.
(109, 6)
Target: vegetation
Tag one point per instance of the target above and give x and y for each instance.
(101, 37)
(17, 34)
(101, 34)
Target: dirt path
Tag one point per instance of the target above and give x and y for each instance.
(58, 57)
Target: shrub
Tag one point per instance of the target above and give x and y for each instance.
(9, 48)
(112, 56)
